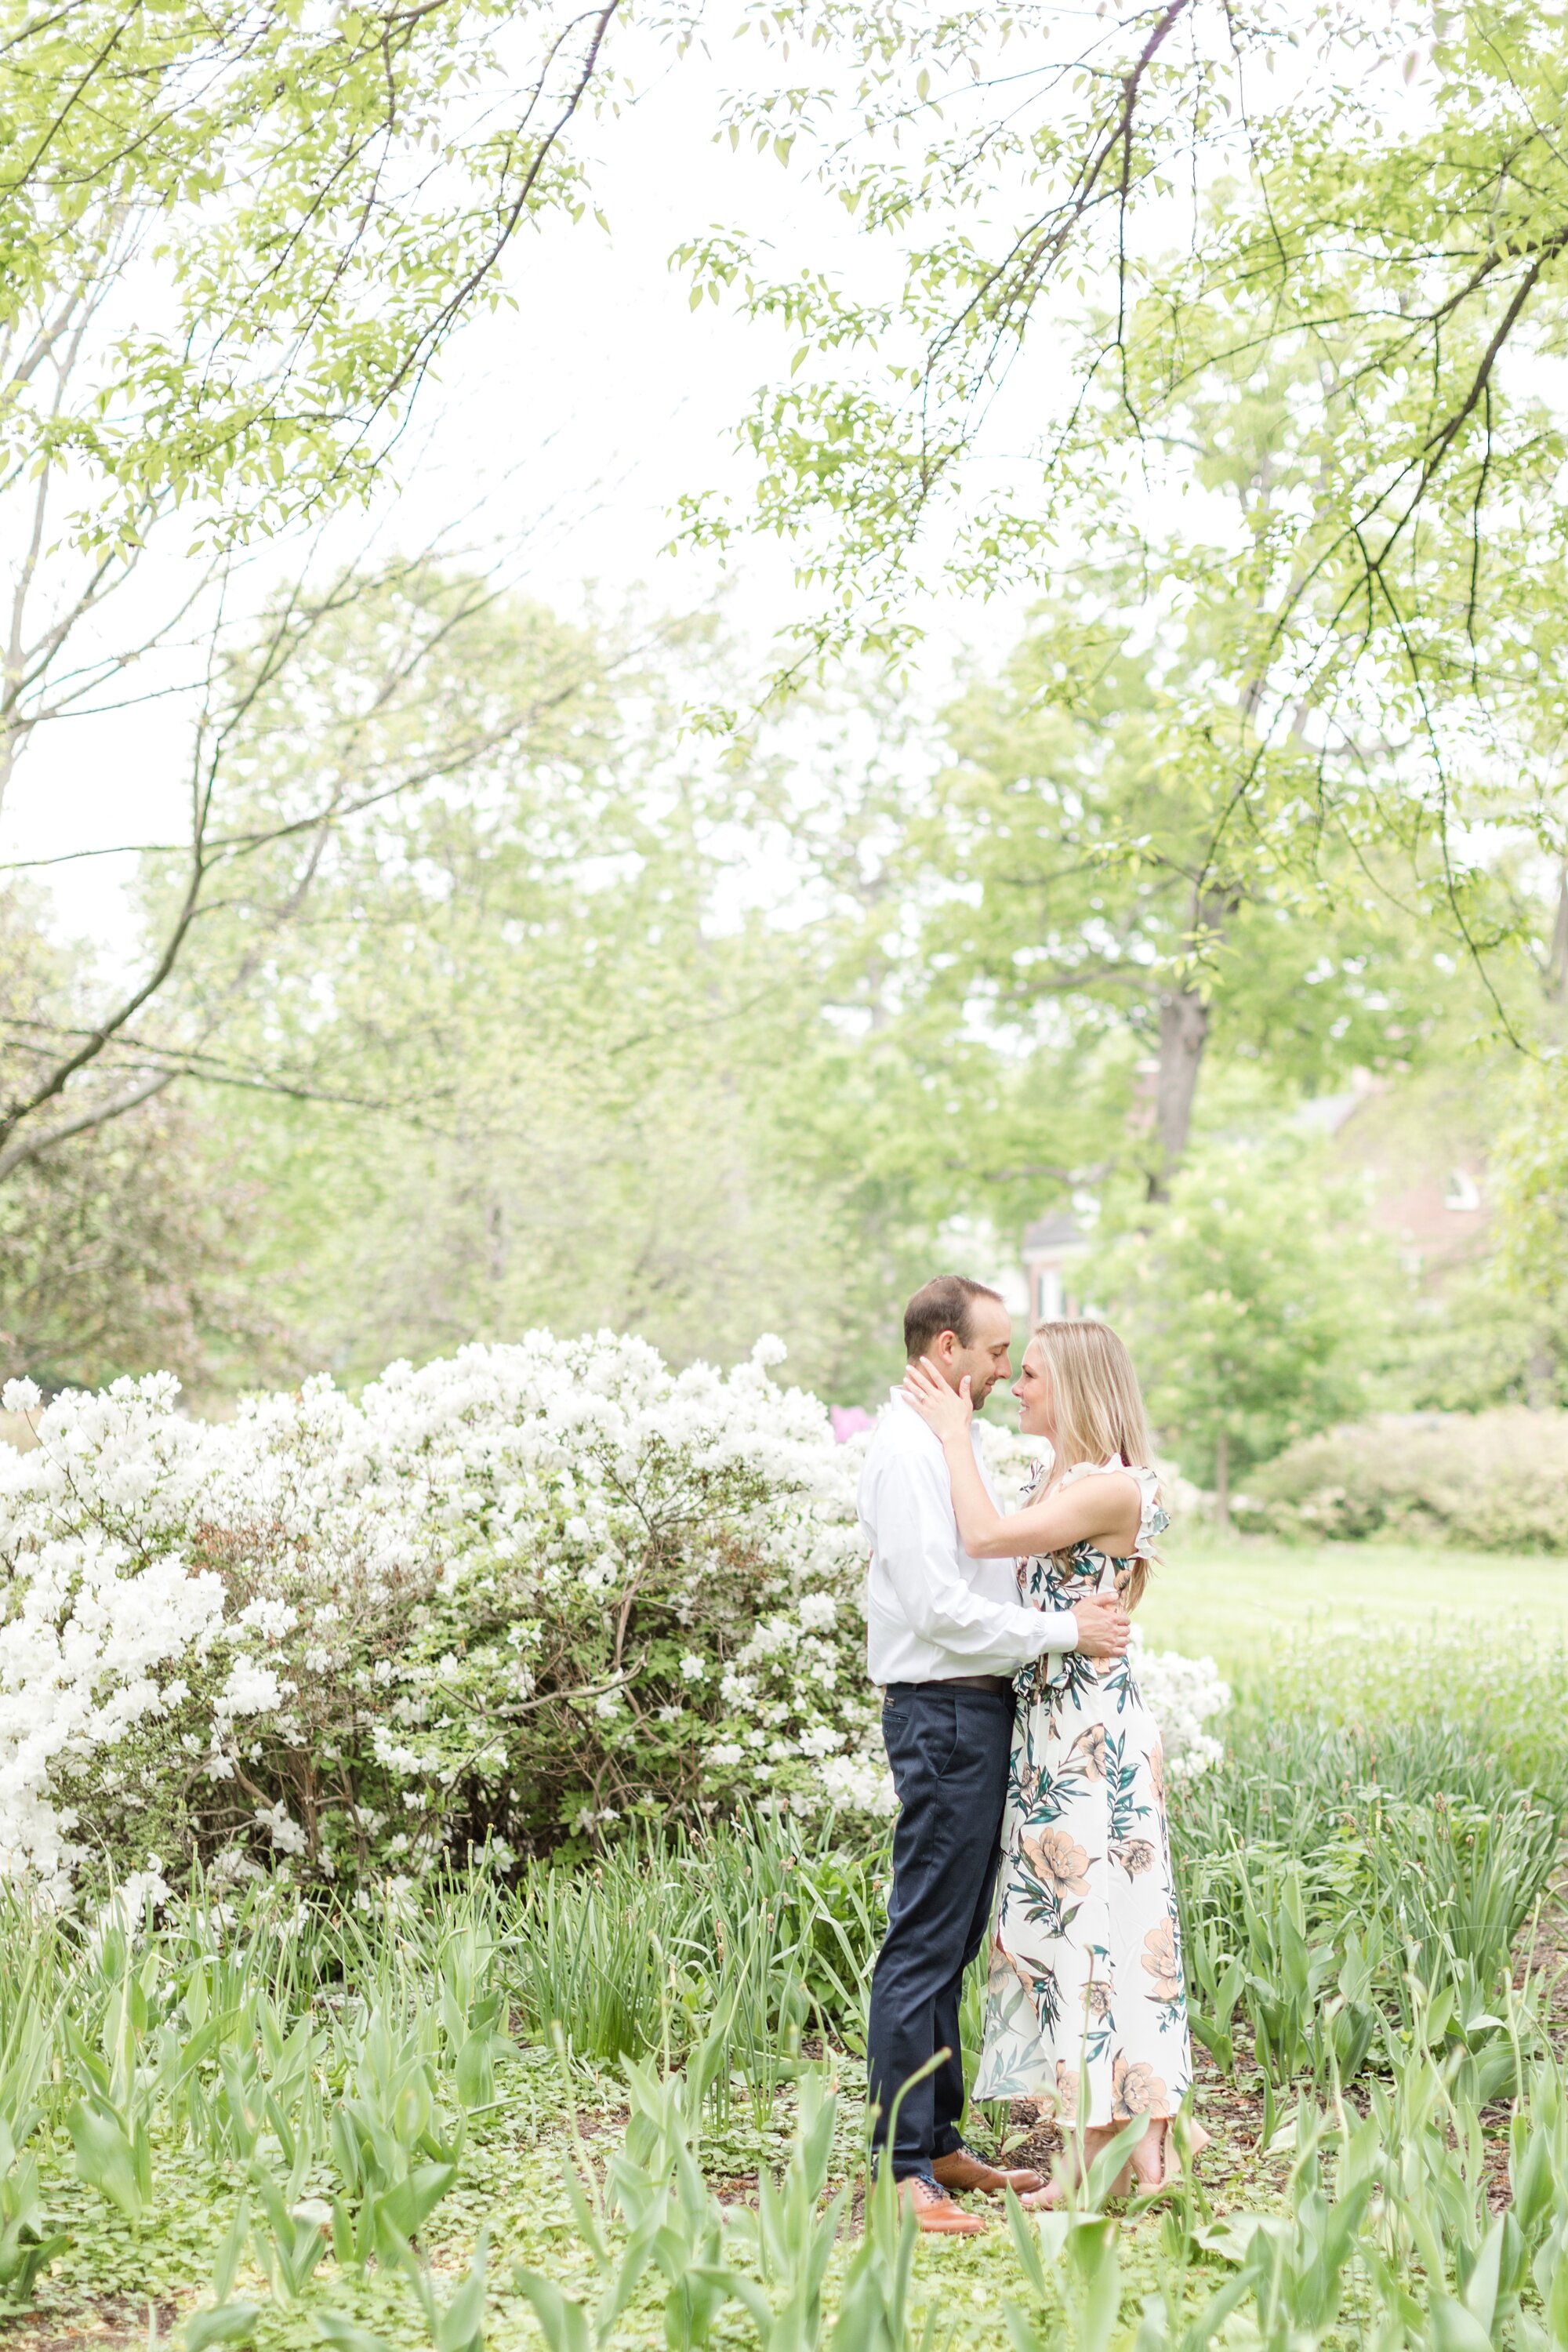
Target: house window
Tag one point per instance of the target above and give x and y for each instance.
(1461, 1192)
(1048, 1301)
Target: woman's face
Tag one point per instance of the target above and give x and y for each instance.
(1036, 1407)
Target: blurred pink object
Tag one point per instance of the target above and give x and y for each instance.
(848, 1420)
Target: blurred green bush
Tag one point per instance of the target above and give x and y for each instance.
(1492, 1481)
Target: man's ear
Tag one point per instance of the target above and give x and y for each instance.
(944, 1346)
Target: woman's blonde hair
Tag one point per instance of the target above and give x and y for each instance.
(1097, 1404)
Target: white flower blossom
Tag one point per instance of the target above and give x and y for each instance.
(127, 1905)
(250, 1689)
(272, 1618)
(396, 1758)
(771, 1637)
(285, 1832)
(861, 1783)
(1181, 1695)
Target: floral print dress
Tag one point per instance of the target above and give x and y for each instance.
(1085, 2009)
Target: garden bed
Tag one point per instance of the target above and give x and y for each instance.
(354, 2099)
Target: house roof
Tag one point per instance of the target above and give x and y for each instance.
(1061, 1232)
(1326, 1114)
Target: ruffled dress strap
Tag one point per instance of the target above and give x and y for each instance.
(1084, 1470)
(1153, 1518)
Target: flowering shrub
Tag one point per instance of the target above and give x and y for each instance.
(515, 1597)
(520, 1593)
(1181, 1695)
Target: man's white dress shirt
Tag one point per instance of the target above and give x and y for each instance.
(932, 1611)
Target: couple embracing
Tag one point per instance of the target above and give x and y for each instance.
(1028, 1770)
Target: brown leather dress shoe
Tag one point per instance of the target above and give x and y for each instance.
(964, 2170)
(935, 2212)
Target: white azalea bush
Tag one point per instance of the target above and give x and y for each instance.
(523, 1593)
(519, 1597)
(1183, 1694)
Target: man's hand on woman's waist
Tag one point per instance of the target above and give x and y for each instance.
(1104, 1628)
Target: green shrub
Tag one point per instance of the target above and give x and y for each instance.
(1482, 1482)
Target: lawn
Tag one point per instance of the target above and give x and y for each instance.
(1232, 1602)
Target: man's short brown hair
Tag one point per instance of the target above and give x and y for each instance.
(946, 1302)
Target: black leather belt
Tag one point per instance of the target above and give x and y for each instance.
(999, 1685)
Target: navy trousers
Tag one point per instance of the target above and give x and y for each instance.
(948, 1747)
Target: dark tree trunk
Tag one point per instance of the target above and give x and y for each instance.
(1184, 1032)
(1540, 1378)
(1557, 962)
(1222, 1482)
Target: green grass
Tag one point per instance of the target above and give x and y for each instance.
(1233, 1602)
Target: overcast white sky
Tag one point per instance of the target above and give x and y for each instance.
(572, 421)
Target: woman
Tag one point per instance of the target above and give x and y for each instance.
(1085, 2010)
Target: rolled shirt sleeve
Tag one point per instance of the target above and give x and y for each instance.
(912, 1513)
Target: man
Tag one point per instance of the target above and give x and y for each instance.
(946, 1634)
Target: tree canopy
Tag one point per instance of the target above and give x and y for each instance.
(1259, 297)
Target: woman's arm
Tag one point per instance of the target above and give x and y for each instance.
(1104, 1510)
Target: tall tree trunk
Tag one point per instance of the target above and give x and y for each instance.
(1222, 1482)
(1540, 1383)
(1556, 982)
(1540, 1376)
(1184, 1032)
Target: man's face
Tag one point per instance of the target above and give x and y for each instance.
(986, 1355)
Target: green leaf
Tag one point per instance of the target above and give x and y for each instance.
(224, 2323)
(563, 2321)
(105, 2158)
(402, 2210)
(225, 2269)
(475, 2072)
(347, 2335)
(1455, 2329)
(1026, 2245)
(1231, 2238)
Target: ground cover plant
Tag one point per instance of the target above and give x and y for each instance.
(617, 2100)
